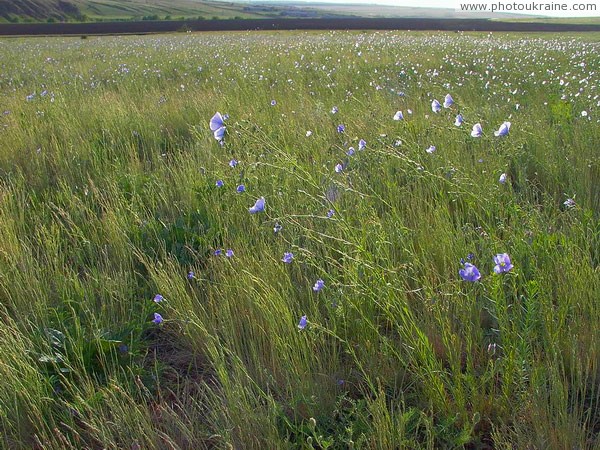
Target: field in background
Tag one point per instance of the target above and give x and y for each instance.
(152, 10)
(367, 10)
(117, 9)
(117, 203)
(114, 9)
(566, 20)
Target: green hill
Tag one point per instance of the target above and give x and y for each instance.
(161, 9)
(93, 10)
(83, 10)
(15, 10)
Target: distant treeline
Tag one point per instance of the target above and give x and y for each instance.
(150, 26)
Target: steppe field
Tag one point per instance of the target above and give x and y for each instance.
(286, 240)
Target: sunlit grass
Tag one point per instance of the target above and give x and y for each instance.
(108, 196)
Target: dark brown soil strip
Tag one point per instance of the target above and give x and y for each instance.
(144, 27)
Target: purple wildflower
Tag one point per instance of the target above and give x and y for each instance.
(469, 272)
(259, 206)
(216, 122)
(503, 263)
(157, 318)
(220, 133)
(448, 101)
(319, 284)
(477, 130)
(503, 130)
(302, 323)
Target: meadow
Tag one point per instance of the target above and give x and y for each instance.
(335, 260)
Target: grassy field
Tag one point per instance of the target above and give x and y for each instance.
(117, 203)
(111, 10)
(117, 9)
(131, 10)
(541, 20)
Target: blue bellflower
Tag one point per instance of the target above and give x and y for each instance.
(302, 323)
(157, 318)
(220, 133)
(259, 206)
(503, 130)
(319, 284)
(217, 126)
(503, 263)
(216, 122)
(469, 272)
(448, 101)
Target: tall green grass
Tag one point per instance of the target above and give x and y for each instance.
(108, 196)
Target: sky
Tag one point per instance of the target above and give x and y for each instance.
(549, 6)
